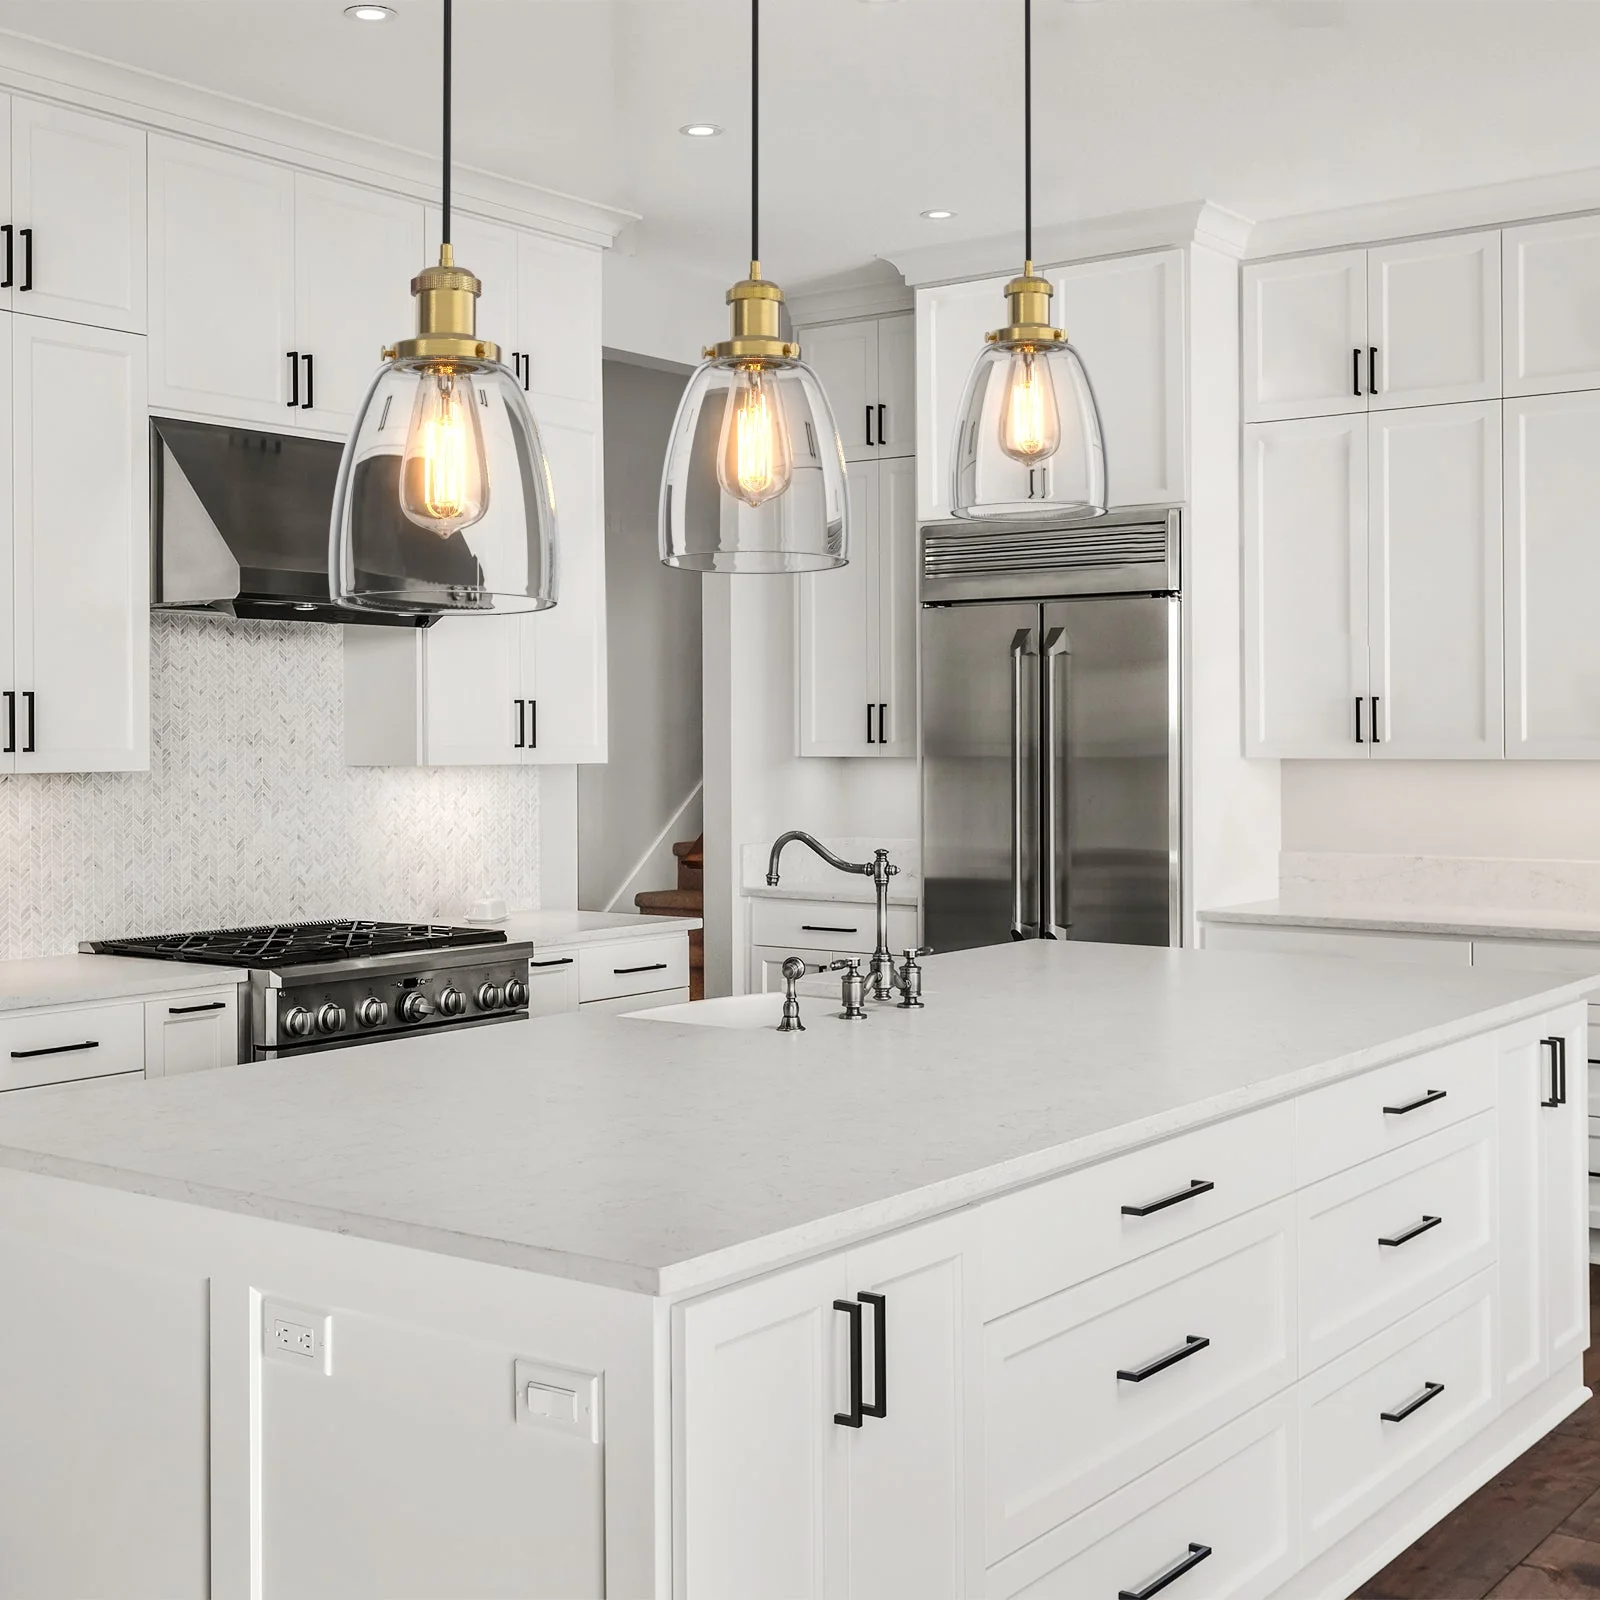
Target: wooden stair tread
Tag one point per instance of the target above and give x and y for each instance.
(665, 902)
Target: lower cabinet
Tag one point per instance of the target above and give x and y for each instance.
(618, 976)
(191, 1032)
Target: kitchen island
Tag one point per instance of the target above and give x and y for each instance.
(1107, 1257)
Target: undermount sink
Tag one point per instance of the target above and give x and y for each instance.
(732, 1011)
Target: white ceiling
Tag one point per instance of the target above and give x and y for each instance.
(874, 112)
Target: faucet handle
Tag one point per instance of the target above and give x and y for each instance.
(845, 964)
(852, 988)
(908, 979)
(911, 952)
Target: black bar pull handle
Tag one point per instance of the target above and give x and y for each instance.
(1197, 1554)
(522, 724)
(880, 1355)
(1191, 1346)
(1432, 1097)
(26, 235)
(825, 927)
(870, 739)
(1197, 1187)
(1372, 369)
(883, 721)
(533, 724)
(853, 1417)
(527, 370)
(310, 380)
(1355, 372)
(11, 723)
(1430, 1391)
(1375, 737)
(9, 232)
(294, 379)
(1557, 1047)
(883, 424)
(32, 744)
(652, 966)
(870, 439)
(1415, 1231)
(1359, 700)
(554, 961)
(55, 1050)
(189, 1011)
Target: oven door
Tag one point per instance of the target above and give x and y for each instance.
(348, 1041)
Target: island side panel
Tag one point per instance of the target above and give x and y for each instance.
(155, 1449)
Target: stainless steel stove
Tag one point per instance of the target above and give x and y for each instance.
(320, 985)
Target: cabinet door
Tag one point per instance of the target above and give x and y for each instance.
(838, 661)
(488, 250)
(1305, 586)
(191, 1033)
(564, 649)
(1564, 1167)
(1125, 318)
(78, 194)
(897, 386)
(552, 984)
(952, 320)
(558, 318)
(1433, 317)
(1552, 573)
(845, 357)
(355, 253)
(12, 709)
(916, 1473)
(763, 1489)
(893, 612)
(1551, 306)
(1524, 1317)
(474, 713)
(81, 532)
(1435, 620)
(1305, 336)
(221, 284)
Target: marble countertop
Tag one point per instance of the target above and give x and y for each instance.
(667, 1159)
(1462, 921)
(591, 927)
(81, 979)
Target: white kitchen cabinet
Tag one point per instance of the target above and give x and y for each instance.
(552, 983)
(856, 626)
(1551, 306)
(1552, 569)
(867, 369)
(1305, 333)
(191, 1032)
(77, 547)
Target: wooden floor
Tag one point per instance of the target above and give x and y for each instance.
(1532, 1532)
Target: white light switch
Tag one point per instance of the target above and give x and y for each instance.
(562, 1399)
(555, 1405)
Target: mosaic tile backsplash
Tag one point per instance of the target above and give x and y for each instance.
(248, 813)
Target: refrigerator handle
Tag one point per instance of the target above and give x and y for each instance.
(1021, 648)
(1054, 888)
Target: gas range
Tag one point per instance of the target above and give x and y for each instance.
(320, 985)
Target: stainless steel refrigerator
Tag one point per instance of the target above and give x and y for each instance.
(1052, 740)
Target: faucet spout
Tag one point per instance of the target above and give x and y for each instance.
(795, 835)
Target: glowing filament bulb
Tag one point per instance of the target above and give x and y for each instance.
(753, 463)
(1030, 420)
(444, 483)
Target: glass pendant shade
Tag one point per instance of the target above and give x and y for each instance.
(444, 500)
(1027, 439)
(754, 480)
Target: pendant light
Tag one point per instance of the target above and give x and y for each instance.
(444, 501)
(754, 480)
(1027, 439)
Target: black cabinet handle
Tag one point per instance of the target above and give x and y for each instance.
(1432, 1097)
(294, 379)
(1558, 1072)
(8, 231)
(1359, 699)
(527, 370)
(1197, 1186)
(11, 723)
(853, 1417)
(1415, 1231)
(533, 724)
(189, 1011)
(823, 927)
(1191, 1346)
(1375, 737)
(1372, 369)
(554, 961)
(870, 439)
(26, 235)
(883, 721)
(652, 966)
(522, 724)
(880, 1355)
(883, 424)
(1430, 1391)
(1355, 372)
(31, 746)
(870, 739)
(55, 1050)
(308, 359)
(1197, 1554)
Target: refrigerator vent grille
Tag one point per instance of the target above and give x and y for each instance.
(966, 555)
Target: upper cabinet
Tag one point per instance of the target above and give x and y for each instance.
(1552, 306)
(867, 369)
(1125, 317)
(1356, 330)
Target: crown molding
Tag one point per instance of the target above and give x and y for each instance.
(1486, 205)
(1160, 228)
(875, 290)
(49, 72)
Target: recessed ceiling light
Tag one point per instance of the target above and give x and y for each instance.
(700, 130)
(937, 215)
(369, 13)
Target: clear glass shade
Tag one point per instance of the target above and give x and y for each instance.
(1027, 439)
(444, 500)
(754, 479)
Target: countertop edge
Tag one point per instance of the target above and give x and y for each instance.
(1269, 914)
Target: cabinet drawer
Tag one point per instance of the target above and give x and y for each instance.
(553, 982)
(641, 966)
(1433, 1202)
(1085, 1391)
(1235, 1494)
(1358, 1118)
(849, 927)
(1042, 1240)
(1364, 1432)
(60, 1046)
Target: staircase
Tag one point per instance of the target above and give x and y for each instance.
(687, 900)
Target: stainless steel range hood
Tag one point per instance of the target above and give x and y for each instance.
(239, 524)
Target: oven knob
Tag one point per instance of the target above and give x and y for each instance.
(371, 1012)
(489, 997)
(452, 1002)
(297, 1023)
(516, 993)
(330, 1019)
(415, 1006)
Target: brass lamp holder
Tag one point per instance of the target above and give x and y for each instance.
(1030, 325)
(756, 341)
(447, 316)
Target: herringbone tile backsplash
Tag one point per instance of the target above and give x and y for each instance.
(248, 813)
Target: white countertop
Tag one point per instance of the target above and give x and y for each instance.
(847, 891)
(667, 1159)
(81, 979)
(591, 927)
(1461, 921)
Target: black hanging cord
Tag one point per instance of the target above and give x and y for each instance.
(444, 232)
(1027, 129)
(755, 129)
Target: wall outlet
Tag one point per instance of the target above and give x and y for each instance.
(297, 1335)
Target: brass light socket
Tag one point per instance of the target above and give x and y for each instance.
(1029, 296)
(447, 315)
(755, 304)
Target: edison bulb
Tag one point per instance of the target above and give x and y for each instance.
(444, 482)
(1030, 419)
(753, 460)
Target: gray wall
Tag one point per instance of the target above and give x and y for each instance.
(653, 640)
